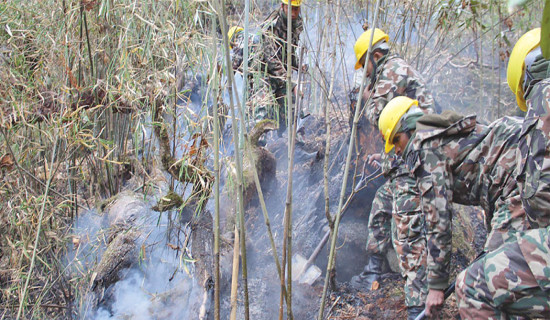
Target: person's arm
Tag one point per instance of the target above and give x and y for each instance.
(434, 178)
(382, 92)
(435, 184)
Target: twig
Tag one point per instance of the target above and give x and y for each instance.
(332, 307)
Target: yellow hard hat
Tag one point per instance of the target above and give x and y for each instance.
(362, 44)
(232, 32)
(295, 3)
(391, 116)
(515, 72)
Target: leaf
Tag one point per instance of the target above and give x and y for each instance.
(173, 247)
(375, 286)
(8, 30)
(6, 161)
(545, 31)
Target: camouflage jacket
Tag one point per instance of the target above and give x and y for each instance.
(465, 162)
(274, 47)
(533, 157)
(397, 78)
(237, 53)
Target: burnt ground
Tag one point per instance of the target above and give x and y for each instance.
(388, 301)
(308, 221)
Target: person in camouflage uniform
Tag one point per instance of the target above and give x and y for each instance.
(455, 159)
(515, 279)
(390, 76)
(260, 97)
(274, 58)
(512, 280)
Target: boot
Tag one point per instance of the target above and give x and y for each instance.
(413, 312)
(372, 272)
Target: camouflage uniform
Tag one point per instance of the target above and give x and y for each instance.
(397, 78)
(273, 63)
(260, 97)
(515, 279)
(533, 157)
(455, 159)
(409, 238)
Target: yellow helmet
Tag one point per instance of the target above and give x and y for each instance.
(295, 3)
(391, 116)
(516, 65)
(362, 44)
(232, 32)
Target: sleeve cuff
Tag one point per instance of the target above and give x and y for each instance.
(438, 284)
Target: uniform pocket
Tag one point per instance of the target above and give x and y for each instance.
(409, 227)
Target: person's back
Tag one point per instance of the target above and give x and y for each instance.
(514, 279)
(455, 159)
(534, 159)
(397, 78)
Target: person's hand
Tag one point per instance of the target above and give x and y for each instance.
(434, 302)
(374, 157)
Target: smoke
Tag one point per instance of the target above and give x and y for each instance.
(159, 285)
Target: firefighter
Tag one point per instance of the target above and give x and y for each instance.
(390, 76)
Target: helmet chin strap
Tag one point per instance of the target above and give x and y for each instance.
(374, 72)
(375, 65)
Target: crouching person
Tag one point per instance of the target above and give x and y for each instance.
(514, 280)
(452, 158)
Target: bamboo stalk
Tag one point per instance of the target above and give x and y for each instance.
(245, 66)
(217, 283)
(287, 234)
(248, 144)
(238, 158)
(346, 172)
(235, 276)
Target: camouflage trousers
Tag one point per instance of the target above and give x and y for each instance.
(513, 280)
(409, 238)
(269, 104)
(378, 240)
(405, 227)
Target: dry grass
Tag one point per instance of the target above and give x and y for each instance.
(78, 81)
